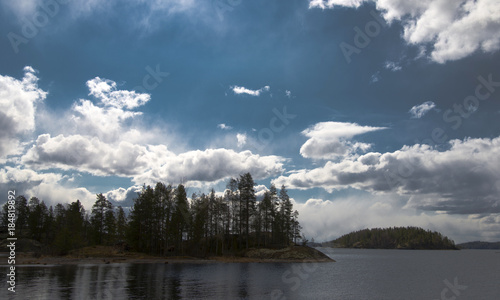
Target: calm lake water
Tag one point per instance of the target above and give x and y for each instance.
(357, 274)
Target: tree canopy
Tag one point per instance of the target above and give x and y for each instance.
(164, 221)
(394, 238)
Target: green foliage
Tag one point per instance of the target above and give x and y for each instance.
(395, 238)
(162, 221)
(70, 226)
(121, 225)
(38, 219)
(103, 222)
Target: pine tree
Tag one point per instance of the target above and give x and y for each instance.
(121, 224)
(266, 211)
(140, 229)
(37, 218)
(247, 199)
(233, 198)
(22, 212)
(70, 234)
(102, 221)
(286, 216)
(181, 218)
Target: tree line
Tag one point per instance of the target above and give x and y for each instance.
(162, 221)
(394, 238)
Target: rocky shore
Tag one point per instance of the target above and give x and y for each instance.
(109, 255)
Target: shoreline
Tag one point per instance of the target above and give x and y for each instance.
(27, 259)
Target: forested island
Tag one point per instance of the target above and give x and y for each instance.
(479, 245)
(163, 223)
(394, 238)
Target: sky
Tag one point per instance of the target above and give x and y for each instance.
(373, 113)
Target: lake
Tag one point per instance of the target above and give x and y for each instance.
(357, 274)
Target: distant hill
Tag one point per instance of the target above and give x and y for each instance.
(314, 244)
(479, 245)
(394, 238)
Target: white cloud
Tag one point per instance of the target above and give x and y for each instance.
(330, 140)
(260, 190)
(242, 139)
(224, 127)
(109, 118)
(122, 195)
(210, 166)
(455, 29)
(460, 180)
(18, 101)
(418, 111)
(145, 164)
(479, 28)
(18, 175)
(49, 187)
(88, 154)
(392, 66)
(102, 139)
(105, 90)
(57, 193)
(107, 123)
(243, 90)
(323, 4)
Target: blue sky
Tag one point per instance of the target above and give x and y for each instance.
(372, 113)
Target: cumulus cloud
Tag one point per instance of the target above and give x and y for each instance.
(18, 175)
(105, 90)
(88, 154)
(145, 164)
(18, 101)
(212, 165)
(110, 118)
(460, 180)
(238, 90)
(418, 111)
(49, 187)
(123, 197)
(260, 190)
(330, 140)
(102, 139)
(454, 29)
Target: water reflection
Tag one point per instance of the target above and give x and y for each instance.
(147, 281)
(357, 274)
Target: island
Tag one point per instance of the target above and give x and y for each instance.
(480, 245)
(414, 238)
(162, 224)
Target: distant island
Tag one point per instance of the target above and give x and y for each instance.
(479, 245)
(394, 238)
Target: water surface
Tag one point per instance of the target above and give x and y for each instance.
(357, 274)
